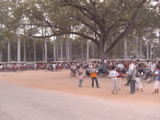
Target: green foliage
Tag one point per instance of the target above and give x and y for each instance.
(90, 20)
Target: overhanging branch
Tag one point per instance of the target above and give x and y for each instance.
(129, 28)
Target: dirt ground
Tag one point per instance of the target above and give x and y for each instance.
(61, 81)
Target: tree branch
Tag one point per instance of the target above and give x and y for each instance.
(129, 28)
(91, 15)
(88, 25)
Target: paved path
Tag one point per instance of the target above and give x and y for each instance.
(23, 103)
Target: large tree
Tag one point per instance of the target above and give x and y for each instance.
(95, 20)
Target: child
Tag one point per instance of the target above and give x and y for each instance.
(113, 75)
(93, 75)
(80, 76)
(138, 79)
(157, 80)
(119, 78)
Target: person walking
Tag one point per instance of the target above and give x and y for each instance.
(138, 79)
(80, 75)
(133, 80)
(54, 66)
(157, 80)
(130, 71)
(73, 70)
(93, 75)
(113, 75)
(153, 66)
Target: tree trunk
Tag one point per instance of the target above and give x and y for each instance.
(154, 49)
(113, 38)
(9, 51)
(18, 46)
(1, 55)
(70, 50)
(147, 50)
(151, 45)
(24, 57)
(45, 50)
(29, 53)
(35, 56)
(93, 50)
(130, 52)
(18, 41)
(102, 44)
(136, 48)
(61, 50)
(54, 49)
(42, 49)
(159, 39)
(87, 50)
(141, 55)
(57, 50)
(116, 47)
(125, 49)
(82, 50)
(67, 50)
(43, 44)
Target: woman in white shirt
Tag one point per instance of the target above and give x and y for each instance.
(113, 75)
(157, 80)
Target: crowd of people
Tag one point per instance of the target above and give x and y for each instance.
(136, 72)
(136, 75)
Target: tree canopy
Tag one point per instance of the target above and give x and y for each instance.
(95, 20)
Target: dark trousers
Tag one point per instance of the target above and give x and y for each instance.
(95, 78)
(132, 86)
(80, 82)
(128, 80)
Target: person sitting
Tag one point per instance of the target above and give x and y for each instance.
(101, 68)
(120, 65)
(73, 69)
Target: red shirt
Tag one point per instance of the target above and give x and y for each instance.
(119, 74)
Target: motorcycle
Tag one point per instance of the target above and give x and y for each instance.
(148, 75)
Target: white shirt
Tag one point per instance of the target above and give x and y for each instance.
(131, 68)
(90, 66)
(113, 74)
(120, 66)
(73, 67)
(54, 65)
(153, 67)
(1, 66)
